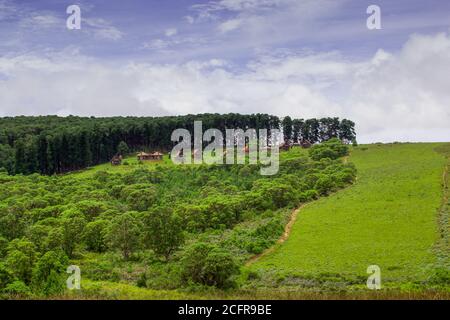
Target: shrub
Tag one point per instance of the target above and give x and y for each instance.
(331, 149)
(20, 259)
(3, 247)
(49, 272)
(6, 276)
(163, 231)
(208, 265)
(91, 209)
(95, 235)
(123, 234)
(324, 185)
(17, 288)
(139, 197)
(318, 153)
(72, 226)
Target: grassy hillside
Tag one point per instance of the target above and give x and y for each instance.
(160, 231)
(388, 218)
(153, 225)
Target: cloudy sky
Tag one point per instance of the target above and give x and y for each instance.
(303, 58)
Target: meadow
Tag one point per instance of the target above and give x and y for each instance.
(389, 218)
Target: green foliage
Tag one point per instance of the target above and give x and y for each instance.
(3, 247)
(49, 272)
(17, 289)
(139, 197)
(20, 259)
(274, 194)
(6, 277)
(209, 265)
(95, 235)
(287, 128)
(54, 144)
(72, 226)
(324, 184)
(331, 149)
(12, 222)
(123, 234)
(86, 217)
(122, 148)
(163, 231)
(7, 158)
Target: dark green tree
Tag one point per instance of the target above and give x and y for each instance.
(124, 233)
(122, 148)
(287, 129)
(163, 231)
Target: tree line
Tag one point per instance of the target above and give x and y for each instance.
(52, 144)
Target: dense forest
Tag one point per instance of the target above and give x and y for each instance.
(51, 144)
(154, 225)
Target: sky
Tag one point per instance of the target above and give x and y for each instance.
(302, 58)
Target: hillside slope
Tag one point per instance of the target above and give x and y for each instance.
(388, 218)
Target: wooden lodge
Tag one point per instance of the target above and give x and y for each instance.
(155, 156)
(116, 160)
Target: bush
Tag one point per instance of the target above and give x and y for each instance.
(5, 276)
(276, 192)
(324, 185)
(332, 149)
(3, 247)
(95, 235)
(209, 265)
(123, 234)
(139, 197)
(163, 231)
(20, 259)
(17, 288)
(318, 153)
(49, 272)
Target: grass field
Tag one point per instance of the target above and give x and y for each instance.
(389, 218)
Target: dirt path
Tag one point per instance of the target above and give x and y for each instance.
(283, 238)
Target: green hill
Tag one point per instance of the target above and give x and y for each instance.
(389, 218)
(154, 230)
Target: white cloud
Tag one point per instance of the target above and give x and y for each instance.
(189, 19)
(42, 21)
(170, 32)
(393, 96)
(238, 5)
(102, 29)
(405, 92)
(230, 25)
(156, 44)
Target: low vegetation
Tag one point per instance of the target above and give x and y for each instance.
(159, 226)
